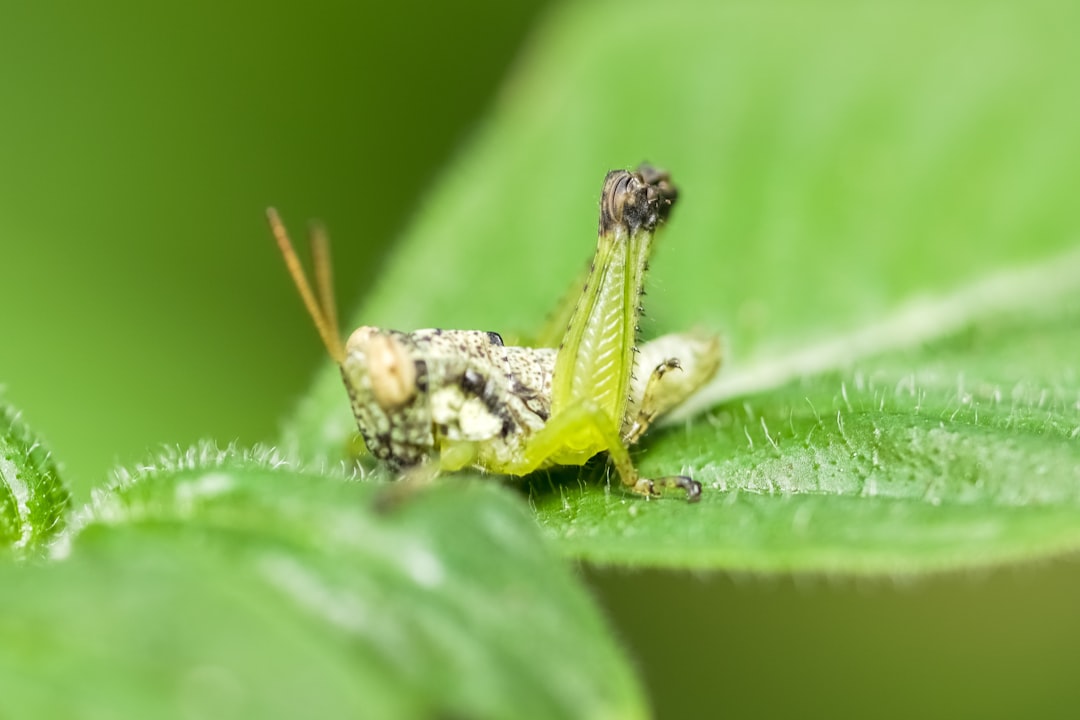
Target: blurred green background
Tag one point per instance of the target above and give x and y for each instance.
(145, 304)
(141, 144)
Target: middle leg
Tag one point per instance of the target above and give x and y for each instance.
(582, 425)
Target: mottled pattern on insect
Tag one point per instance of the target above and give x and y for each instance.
(467, 399)
(413, 393)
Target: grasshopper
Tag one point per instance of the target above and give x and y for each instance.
(469, 399)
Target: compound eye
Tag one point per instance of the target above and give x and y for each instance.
(390, 368)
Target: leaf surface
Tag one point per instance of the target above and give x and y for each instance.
(877, 202)
(33, 498)
(226, 584)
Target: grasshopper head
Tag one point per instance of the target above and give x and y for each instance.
(385, 379)
(380, 369)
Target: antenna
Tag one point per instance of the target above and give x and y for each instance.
(322, 309)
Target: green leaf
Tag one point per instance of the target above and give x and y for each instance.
(925, 460)
(877, 211)
(213, 584)
(33, 498)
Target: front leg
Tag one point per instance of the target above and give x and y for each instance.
(678, 364)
